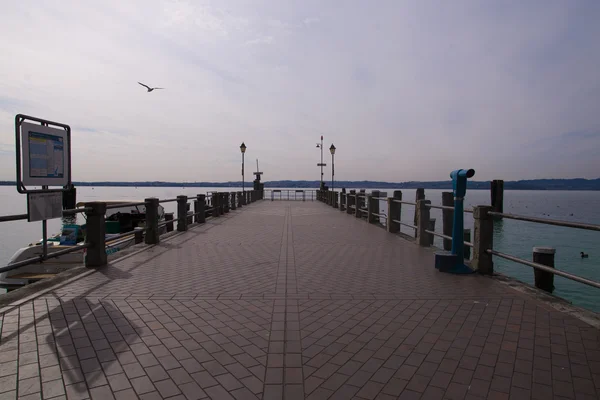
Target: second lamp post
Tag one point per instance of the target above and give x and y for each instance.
(332, 150)
(243, 150)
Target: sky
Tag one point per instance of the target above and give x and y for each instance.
(406, 90)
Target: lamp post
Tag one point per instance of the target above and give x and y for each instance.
(332, 150)
(321, 164)
(243, 150)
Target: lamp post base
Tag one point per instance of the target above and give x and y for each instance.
(451, 263)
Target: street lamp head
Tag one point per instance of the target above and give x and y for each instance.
(243, 147)
(332, 149)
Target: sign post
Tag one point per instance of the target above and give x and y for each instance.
(43, 158)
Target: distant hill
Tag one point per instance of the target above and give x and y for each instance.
(533, 184)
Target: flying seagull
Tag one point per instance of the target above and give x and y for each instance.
(149, 88)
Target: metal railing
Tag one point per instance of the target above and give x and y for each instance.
(221, 203)
(347, 201)
(291, 194)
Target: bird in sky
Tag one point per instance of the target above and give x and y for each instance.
(149, 88)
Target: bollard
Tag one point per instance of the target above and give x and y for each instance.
(394, 212)
(95, 236)
(169, 225)
(422, 222)
(152, 233)
(447, 218)
(467, 249)
(483, 239)
(215, 204)
(233, 202)
(201, 217)
(138, 234)
(420, 195)
(431, 227)
(497, 196)
(182, 220)
(544, 280)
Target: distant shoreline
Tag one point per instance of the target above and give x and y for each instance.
(534, 184)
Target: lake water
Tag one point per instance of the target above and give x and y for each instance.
(513, 237)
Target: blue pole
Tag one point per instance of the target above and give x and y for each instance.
(458, 225)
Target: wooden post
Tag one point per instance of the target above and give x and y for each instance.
(358, 204)
(545, 256)
(372, 206)
(483, 239)
(201, 199)
(394, 211)
(497, 196)
(152, 233)
(95, 236)
(431, 227)
(419, 195)
(335, 200)
(342, 201)
(422, 222)
(182, 220)
(447, 218)
(467, 249)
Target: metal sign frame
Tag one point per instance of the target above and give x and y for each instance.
(19, 119)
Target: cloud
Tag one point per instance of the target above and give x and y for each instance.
(261, 40)
(409, 93)
(311, 21)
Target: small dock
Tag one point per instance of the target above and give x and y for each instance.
(291, 300)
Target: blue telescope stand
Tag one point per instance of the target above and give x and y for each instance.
(453, 262)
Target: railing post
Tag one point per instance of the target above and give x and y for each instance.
(239, 199)
(350, 197)
(138, 235)
(182, 220)
(358, 204)
(483, 239)
(215, 204)
(447, 218)
(95, 237)
(232, 201)
(227, 202)
(342, 199)
(394, 211)
(152, 233)
(169, 225)
(419, 195)
(221, 203)
(422, 222)
(545, 256)
(431, 227)
(370, 216)
(335, 199)
(201, 210)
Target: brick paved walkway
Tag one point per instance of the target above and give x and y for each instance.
(291, 301)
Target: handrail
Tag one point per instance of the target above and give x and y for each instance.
(404, 202)
(120, 205)
(447, 237)
(545, 268)
(168, 200)
(578, 225)
(404, 224)
(15, 217)
(41, 258)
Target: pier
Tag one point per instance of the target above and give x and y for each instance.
(261, 299)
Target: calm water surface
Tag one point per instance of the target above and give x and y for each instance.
(513, 237)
